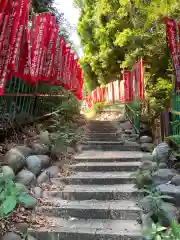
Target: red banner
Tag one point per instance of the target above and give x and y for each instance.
(171, 29)
(35, 53)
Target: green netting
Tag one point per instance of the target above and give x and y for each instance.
(132, 110)
(19, 104)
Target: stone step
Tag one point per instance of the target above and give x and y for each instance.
(109, 156)
(92, 209)
(110, 145)
(104, 166)
(101, 130)
(91, 136)
(100, 229)
(98, 192)
(96, 178)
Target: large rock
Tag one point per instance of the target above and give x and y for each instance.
(22, 227)
(148, 165)
(30, 204)
(176, 180)
(11, 236)
(131, 144)
(48, 173)
(29, 237)
(21, 187)
(145, 139)
(40, 149)
(36, 163)
(26, 178)
(15, 159)
(52, 171)
(25, 150)
(163, 176)
(162, 152)
(45, 160)
(163, 165)
(147, 147)
(37, 191)
(8, 172)
(43, 178)
(172, 191)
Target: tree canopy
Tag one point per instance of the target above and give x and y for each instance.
(114, 34)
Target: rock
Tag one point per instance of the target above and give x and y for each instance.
(45, 160)
(48, 173)
(149, 157)
(44, 138)
(146, 223)
(52, 171)
(162, 176)
(131, 144)
(26, 151)
(126, 125)
(26, 178)
(11, 236)
(34, 164)
(40, 149)
(161, 152)
(43, 178)
(37, 191)
(30, 204)
(8, 172)
(172, 191)
(176, 180)
(52, 128)
(31, 238)
(147, 147)
(163, 165)
(129, 131)
(15, 159)
(22, 187)
(148, 165)
(22, 227)
(145, 139)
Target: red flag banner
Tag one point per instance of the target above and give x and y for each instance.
(171, 30)
(127, 86)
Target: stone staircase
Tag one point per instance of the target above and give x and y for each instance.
(99, 200)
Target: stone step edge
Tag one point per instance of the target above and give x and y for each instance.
(121, 227)
(87, 205)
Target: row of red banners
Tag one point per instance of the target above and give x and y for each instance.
(37, 52)
(173, 37)
(129, 89)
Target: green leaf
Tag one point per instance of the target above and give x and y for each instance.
(158, 237)
(25, 198)
(9, 204)
(175, 228)
(161, 228)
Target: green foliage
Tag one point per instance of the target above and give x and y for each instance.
(10, 196)
(153, 204)
(158, 232)
(115, 34)
(143, 178)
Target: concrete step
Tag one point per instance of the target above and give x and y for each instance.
(102, 229)
(109, 156)
(104, 166)
(92, 209)
(110, 145)
(98, 192)
(96, 178)
(91, 136)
